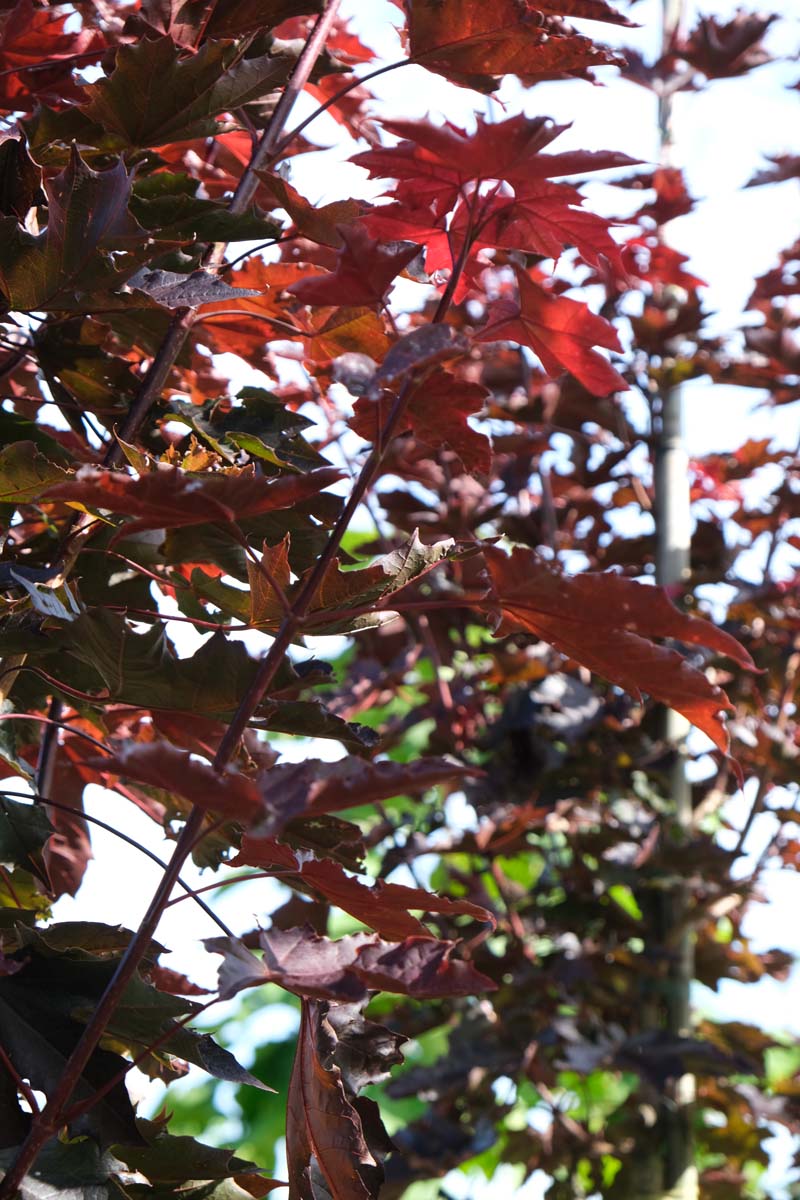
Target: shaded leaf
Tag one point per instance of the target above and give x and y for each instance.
(20, 179)
(311, 718)
(327, 1149)
(39, 1034)
(381, 906)
(231, 18)
(363, 273)
(168, 207)
(100, 651)
(169, 497)
(155, 95)
(317, 967)
(77, 1170)
(164, 1158)
(88, 218)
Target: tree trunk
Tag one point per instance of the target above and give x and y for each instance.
(673, 1176)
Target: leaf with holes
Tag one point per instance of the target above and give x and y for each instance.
(382, 906)
(169, 497)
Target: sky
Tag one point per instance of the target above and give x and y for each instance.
(721, 135)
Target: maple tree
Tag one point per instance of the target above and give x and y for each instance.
(392, 487)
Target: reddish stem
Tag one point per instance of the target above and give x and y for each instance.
(50, 1120)
(22, 1087)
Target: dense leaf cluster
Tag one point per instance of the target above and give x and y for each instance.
(149, 224)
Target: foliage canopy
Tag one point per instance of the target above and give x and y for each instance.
(502, 640)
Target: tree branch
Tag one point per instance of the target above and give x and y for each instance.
(49, 1121)
(181, 325)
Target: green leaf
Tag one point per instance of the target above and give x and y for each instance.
(20, 896)
(68, 1171)
(39, 1034)
(155, 95)
(310, 718)
(622, 895)
(168, 208)
(24, 829)
(168, 1159)
(262, 423)
(25, 473)
(87, 219)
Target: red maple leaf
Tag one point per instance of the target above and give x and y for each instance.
(441, 158)
(545, 218)
(606, 622)
(561, 331)
(437, 413)
(381, 906)
(494, 183)
(36, 38)
(363, 272)
(469, 41)
(169, 497)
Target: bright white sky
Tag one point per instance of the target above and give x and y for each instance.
(733, 236)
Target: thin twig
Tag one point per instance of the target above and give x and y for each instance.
(51, 1117)
(307, 593)
(221, 883)
(271, 143)
(78, 1110)
(180, 327)
(249, 312)
(22, 1087)
(130, 841)
(48, 748)
(87, 737)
